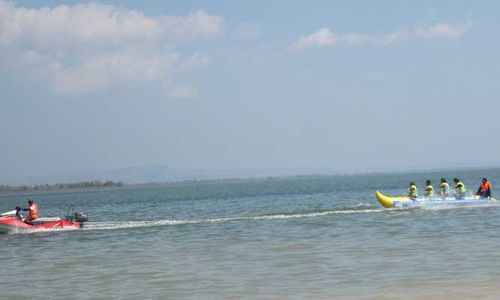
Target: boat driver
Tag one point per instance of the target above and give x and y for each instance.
(32, 210)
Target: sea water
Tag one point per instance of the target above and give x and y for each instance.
(309, 237)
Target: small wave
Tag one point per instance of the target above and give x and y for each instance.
(156, 223)
(364, 205)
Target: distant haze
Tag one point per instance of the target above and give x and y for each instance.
(246, 87)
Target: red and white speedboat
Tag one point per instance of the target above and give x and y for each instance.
(12, 222)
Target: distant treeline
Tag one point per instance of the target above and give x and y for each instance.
(59, 186)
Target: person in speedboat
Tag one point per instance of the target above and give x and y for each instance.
(32, 210)
(484, 190)
(459, 188)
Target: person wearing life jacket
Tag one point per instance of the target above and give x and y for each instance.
(32, 210)
(444, 187)
(412, 191)
(459, 189)
(484, 190)
(429, 189)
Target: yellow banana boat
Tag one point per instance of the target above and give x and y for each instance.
(407, 202)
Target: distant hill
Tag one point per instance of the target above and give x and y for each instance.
(149, 174)
(126, 175)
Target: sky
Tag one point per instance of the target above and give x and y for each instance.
(346, 86)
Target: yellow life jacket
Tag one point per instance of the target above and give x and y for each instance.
(429, 191)
(445, 187)
(413, 191)
(460, 187)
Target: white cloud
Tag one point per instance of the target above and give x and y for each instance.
(91, 47)
(354, 38)
(321, 38)
(397, 36)
(444, 30)
(98, 72)
(326, 38)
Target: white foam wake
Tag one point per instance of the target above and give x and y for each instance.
(156, 223)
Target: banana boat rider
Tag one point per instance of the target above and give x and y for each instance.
(429, 189)
(444, 188)
(484, 190)
(459, 188)
(412, 191)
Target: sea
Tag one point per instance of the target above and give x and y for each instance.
(300, 237)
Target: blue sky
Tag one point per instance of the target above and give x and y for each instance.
(345, 86)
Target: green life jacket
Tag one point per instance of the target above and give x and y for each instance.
(429, 191)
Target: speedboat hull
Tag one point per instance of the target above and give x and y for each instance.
(11, 224)
(407, 202)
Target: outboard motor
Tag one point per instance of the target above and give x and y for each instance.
(80, 217)
(76, 216)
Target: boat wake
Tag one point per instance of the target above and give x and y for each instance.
(156, 223)
(446, 206)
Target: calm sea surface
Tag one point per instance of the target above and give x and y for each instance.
(296, 238)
